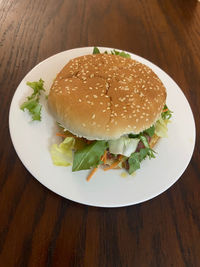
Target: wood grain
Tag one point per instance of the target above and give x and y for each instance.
(40, 228)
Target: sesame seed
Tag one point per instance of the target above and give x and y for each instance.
(93, 116)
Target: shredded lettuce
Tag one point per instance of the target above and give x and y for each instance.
(124, 145)
(62, 154)
(161, 127)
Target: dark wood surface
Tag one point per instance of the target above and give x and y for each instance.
(40, 228)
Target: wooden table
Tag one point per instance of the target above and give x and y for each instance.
(40, 228)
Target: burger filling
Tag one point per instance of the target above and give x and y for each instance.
(125, 152)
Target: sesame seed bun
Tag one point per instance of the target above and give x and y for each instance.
(102, 97)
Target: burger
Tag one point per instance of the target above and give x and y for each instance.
(111, 111)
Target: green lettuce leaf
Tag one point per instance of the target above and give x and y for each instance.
(32, 104)
(96, 50)
(113, 52)
(62, 154)
(90, 156)
(120, 53)
(150, 151)
(135, 159)
(37, 87)
(167, 114)
(150, 131)
(34, 109)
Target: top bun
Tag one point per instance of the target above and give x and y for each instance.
(105, 96)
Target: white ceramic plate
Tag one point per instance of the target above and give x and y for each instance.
(32, 141)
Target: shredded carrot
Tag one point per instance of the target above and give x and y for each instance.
(164, 110)
(91, 174)
(112, 166)
(104, 157)
(60, 134)
(66, 135)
